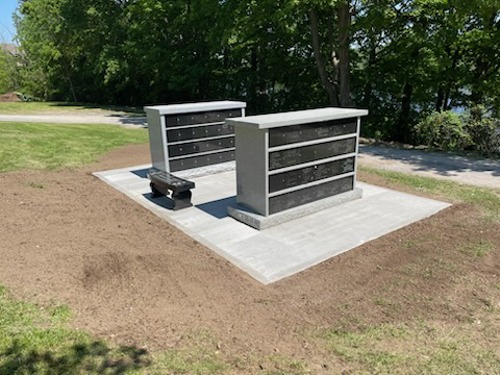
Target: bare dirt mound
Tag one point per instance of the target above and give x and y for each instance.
(133, 278)
(9, 97)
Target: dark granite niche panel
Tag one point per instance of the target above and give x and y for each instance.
(206, 139)
(306, 175)
(200, 146)
(310, 194)
(200, 117)
(198, 132)
(201, 160)
(300, 155)
(308, 132)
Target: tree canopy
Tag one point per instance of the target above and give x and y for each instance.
(401, 59)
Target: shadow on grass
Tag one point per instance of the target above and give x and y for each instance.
(130, 110)
(440, 162)
(93, 357)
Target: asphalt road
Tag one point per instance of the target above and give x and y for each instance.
(461, 169)
(117, 118)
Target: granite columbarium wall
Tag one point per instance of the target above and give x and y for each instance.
(291, 164)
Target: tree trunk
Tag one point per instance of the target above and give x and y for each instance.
(70, 81)
(440, 99)
(402, 133)
(330, 87)
(368, 89)
(344, 22)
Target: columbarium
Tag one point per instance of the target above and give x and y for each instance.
(292, 164)
(192, 135)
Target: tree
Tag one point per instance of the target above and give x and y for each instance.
(335, 77)
(401, 59)
(8, 63)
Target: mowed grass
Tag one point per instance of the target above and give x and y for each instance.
(37, 340)
(420, 348)
(31, 108)
(36, 146)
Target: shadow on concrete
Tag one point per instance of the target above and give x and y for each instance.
(94, 357)
(139, 121)
(443, 164)
(142, 173)
(218, 208)
(162, 201)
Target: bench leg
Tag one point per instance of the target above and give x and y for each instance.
(156, 193)
(182, 200)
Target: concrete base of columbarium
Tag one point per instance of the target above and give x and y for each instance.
(260, 222)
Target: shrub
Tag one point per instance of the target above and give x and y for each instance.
(485, 135)
(26, 97)
(443, 130)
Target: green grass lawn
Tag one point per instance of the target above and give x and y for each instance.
(30, 108)
(52, 146)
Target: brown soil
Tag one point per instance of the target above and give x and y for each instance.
(9, 97)
(134, 279)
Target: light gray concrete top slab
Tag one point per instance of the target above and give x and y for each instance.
(195, 107)
(275, 120)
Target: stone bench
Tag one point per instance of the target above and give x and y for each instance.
(163, 182)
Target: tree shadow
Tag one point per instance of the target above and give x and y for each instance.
(441, 163)
(131, 110)
(93, 357)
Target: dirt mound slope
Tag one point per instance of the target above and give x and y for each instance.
(9, 97)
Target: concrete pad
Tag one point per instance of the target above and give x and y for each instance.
(283, 250)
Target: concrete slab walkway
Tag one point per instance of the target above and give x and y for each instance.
(275, 253)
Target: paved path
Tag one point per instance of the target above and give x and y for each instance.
(84, 118)
(479, 172)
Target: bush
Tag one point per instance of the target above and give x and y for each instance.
(26, 97)
(443, 130)
(485, 135)
(450, 131)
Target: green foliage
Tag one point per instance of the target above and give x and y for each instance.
(8, 81)
(417, 56)
(54, 146)
(485, 135)
(443, 130)
(450, 131)
(26, 98)
(407, 58)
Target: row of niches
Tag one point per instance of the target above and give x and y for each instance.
(200, 117)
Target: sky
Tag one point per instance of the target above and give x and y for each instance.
(7, 29)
